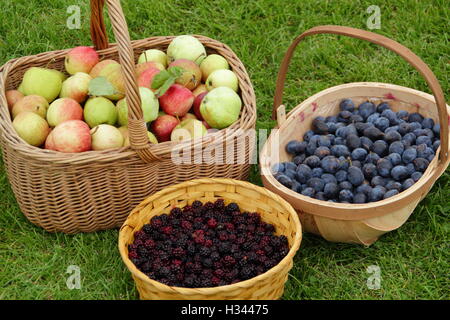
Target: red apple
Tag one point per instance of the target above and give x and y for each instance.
(95, 72)
(144, 66)
(12, 96)
(188, 116)
(191, 76)
(81, 59)
(72, 136)
(49, 143)
(146, 77)
(196, 106)
(162, 127)
(201, 88)
(63, 109)
(177, 100)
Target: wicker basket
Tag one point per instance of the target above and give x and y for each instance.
(355, 223)
(273, 209)
(96, 190)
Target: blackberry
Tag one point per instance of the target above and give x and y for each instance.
(219, 204)
(197, 204)
(229, 261)
(204, 251)
(247, 272)
(232, 207)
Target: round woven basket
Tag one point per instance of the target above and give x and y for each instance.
(355, 223)
(95, 190)
(272, 208)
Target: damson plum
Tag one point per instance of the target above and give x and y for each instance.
(331, 190)
(428, 123)
(307, 136)
(377, 193)
(344, 163)
(366, 143)
(372, 157)
(344, 116)
(394, 158)
(317, 172)
(290, 165)
(403, 115)
(296, 186)
(373, 117)
(285, 180)
(277, 168)
(356, 163)
(392, 136)
(304, 173)
(409, 155)
(320, 196)
(390, 193)
(364, 188)
(290, 173)
(309, 192)
(355, 176)
(340, 150)
(383, 106)
(399, 173)
(365, 109)
(391, 116)
(369, 170)
(408, 139)
(380, 147)
(360, 198)
(424, 140)
(312, 161)
(391, 184)
(347, 105)
(353, 141)
(408, 183)
(421, 164)
(295, 147)
(299, 159)
(436, 145)
(416, 176)
(322, 152)
(378, 181)
(319, 126)
(316, 183)
(359, 154)
(346, 195)
(415, 117)
(381, 123)
(384, 167)
(403, 128)
(341, 175)
(330, 164)
(373, 133)
(325, 141)
(396, 147)
(345, 185)
(329, 178)
(437, 130)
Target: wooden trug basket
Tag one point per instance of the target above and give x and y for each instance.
(355, 223)
(96, 190)
(272, 208)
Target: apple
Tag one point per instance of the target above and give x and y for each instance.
(221, 107)
(71, 136)
(191, 76)
(177, 100)
(188, 116)
(186, 47)
(145, 79)
(76, 87)
(153, 55)
(33, 103)
(80, 59)
(31, 127)
(105, 136)
(222, 78)
(42, 82)
(149, 105)
(49, 143)
(12, 96)
(95, 71)
(99, 110)
(144, 66)
(196, 105)
(113, 73)
(188, 129)
(21, 89)
(61, 75)
(163, 126)
(63, 109)
(200, 89)
(126, 137)
(212, 63)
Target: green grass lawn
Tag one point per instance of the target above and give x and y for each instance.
(414, 260)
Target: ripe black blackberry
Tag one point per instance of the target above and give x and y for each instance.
(232, 207)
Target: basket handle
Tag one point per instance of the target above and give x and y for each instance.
(136, 126)
(390, 44)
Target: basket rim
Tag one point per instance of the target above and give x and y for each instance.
(212, 290)
(247, 95)
(358, 211)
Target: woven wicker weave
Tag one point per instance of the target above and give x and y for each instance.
(355, 223)
(273, 209)
(96, 190)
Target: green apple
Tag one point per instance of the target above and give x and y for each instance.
(33, 103)
(188, 129)
(221, 107)
(105, 136)
(126, 137)
(222, 78)
(154, 55)
(42, 82)
(31, 127)
(113, 73)
(76, 87)
(186, 47)
(20, 88)
(149, 105)
(212, 63)
(99, 110)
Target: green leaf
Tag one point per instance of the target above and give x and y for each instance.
(100, 86)
(160, 79)
(176, 71)
(170, 81)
